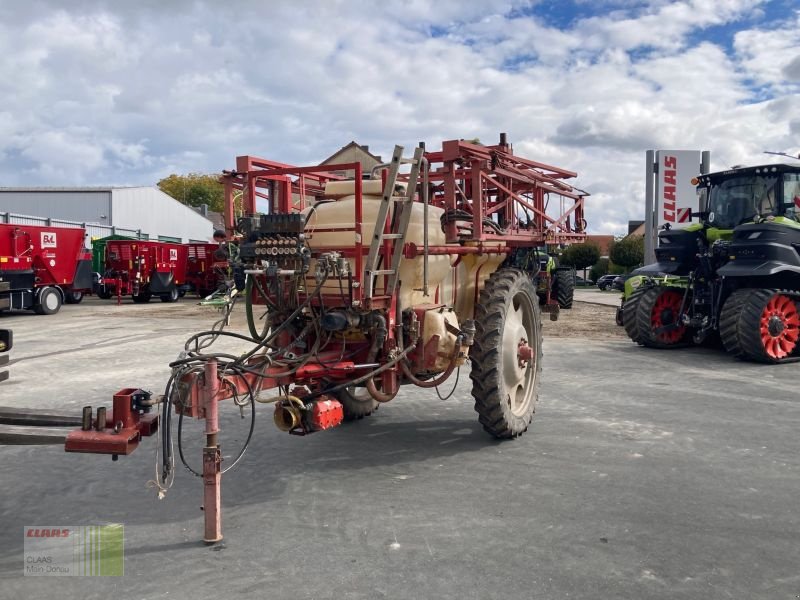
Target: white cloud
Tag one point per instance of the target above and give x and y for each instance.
(112, 92)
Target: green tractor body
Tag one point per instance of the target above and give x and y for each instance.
(734, 276)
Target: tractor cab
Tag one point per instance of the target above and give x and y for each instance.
(738, 196)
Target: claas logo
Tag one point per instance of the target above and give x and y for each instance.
(48, 239)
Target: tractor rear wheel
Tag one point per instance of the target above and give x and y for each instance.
(767, 328)
(506, 355)
(565, 288)
(103, 293)
(357, 403)
(657, 318)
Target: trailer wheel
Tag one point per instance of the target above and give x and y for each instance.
(506, 355)
(142, 298)
(172, 296)
(356, 402)
(768, 326)
(49, 301)
(659, 308)
(73, 297)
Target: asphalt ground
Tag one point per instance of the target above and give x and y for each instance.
(645, 474)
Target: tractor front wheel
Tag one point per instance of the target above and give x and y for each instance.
(506, 355)
(761, 325)
(142, 298)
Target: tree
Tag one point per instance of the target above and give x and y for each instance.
(599, 269)
(195, 189)
(628, 252)
(581, 256)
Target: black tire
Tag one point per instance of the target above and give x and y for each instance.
(103, 293)
(753, 335)
(564, 283)
(729, 322)
(650, 317)
(171, 296)
(48, 301)
(73, 297)
(357, 403)
(142, 298)
(507, 310)
(629, 319)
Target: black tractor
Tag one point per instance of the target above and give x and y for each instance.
(733, 277)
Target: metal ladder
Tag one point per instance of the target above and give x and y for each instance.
(399, 225)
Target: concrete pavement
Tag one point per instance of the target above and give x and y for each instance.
(645, 474)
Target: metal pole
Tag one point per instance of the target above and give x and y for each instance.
(649, 208)
(705, 162)
(425, 240)
(212, 457)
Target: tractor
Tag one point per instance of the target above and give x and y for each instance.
(733, 277)
(555, 284)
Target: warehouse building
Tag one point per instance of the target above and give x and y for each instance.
(148, 211)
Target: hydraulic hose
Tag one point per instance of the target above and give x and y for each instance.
(377, 341)
(433, 382)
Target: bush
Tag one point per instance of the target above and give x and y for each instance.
(580, 256)
(628, 252)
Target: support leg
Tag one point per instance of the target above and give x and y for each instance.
(212, 459)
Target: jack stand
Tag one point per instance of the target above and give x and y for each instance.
(212, 458)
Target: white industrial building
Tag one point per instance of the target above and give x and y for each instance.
(146, 211)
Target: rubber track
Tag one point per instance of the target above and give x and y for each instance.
(729, 322)
(643, 324)
(629, 320)
(486, 373)
(749, 326)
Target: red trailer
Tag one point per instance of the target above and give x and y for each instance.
(44, 267)
(206, 268)
(142, 269)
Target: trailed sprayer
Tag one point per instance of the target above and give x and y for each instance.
(356, 284)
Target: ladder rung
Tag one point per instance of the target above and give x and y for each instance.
(393, 236)
(381, 272)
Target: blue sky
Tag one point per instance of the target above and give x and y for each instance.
(102, 92)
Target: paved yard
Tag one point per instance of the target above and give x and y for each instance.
(645, 474)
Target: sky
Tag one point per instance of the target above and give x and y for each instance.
(96, 92)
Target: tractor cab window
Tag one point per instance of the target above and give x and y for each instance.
(739, 199)
(791, 195)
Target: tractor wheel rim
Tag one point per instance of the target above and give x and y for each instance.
(665, 312)
(780, 326)
(520, 330)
